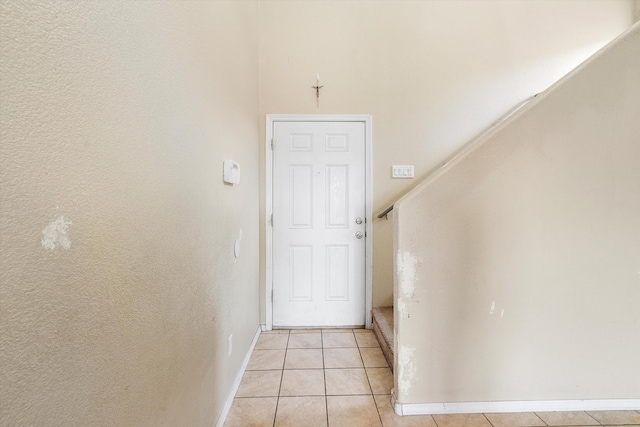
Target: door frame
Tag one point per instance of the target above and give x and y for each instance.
(363, 118)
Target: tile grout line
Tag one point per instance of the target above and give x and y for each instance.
(540, 418)
(434, 421)
(366, 374)
(593, 418)
(286, 348)
(324, 375)
(488, 420)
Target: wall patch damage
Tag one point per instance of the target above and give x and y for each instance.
(56, 234)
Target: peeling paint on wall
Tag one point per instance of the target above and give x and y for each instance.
(401, 306)
(406, 368)
(406, 268)
(56, 234)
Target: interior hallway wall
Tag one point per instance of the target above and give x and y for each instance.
(432, 73)
(528, 287)
(119, 286)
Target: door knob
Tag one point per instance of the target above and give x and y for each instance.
(359, 234)
(358, 220)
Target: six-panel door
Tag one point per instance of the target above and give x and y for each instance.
(318, 224)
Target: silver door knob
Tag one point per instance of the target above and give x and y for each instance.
(358, 220)
(359, 235)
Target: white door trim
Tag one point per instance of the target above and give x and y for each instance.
(367, 120)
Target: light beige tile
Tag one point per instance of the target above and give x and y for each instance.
(380, 379)
(390, 419)
(255, 411)
(366, 339)
(266, 359)
(259, 384)
(514, 419)
(575, 418)
(346, 381)
(616, 417)
(342, 358)
(337, 330)
(276, 331)
(301, 411)
(338, 340)
(373, 358)
(352, 411)
(361, 330)
(311, 340)
(303, 382)
(308, 358)
(461, 420)
(272, 341)
(305, 331)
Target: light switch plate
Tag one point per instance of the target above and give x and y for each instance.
(402, 171)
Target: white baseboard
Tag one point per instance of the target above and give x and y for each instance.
(514, 406)
(236, 383)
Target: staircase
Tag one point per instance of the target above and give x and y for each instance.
(383, 330)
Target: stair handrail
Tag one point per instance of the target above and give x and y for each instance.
(490, 128)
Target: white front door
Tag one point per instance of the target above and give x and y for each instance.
(319, 224)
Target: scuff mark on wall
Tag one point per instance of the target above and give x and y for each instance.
(406, 369)
(406, 270)
(56, 234)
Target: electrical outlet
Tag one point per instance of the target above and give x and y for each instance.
(230, 345)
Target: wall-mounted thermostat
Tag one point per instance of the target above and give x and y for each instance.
(402, 171)
(231, 172)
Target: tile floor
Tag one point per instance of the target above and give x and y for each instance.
(339, 377)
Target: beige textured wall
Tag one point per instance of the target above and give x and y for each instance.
(432, 74)
(117, 116)
(527, 287)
